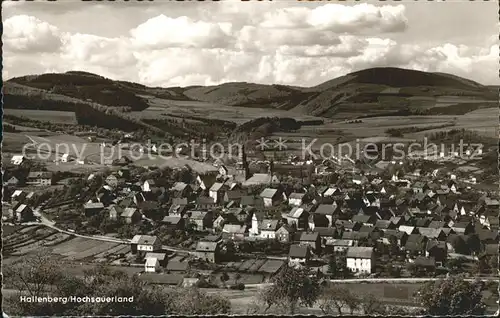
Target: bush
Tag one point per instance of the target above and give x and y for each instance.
(239, 286)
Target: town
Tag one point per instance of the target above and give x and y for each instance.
(234, 227)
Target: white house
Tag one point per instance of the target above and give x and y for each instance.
(268, 229)
(17, 159)
(296, 199)
(152, 265)
(360, 259)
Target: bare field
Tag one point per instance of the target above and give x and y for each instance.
(52, 116)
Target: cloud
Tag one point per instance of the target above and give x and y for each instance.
(339, 18)
(27, 34)
(162, 31)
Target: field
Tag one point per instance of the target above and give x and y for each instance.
(53, 116)
(92, 152)
(235, 114)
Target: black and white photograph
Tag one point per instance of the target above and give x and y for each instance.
(245, 157)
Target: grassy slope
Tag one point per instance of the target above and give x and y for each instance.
(376, 91)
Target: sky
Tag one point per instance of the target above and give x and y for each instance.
(167, 43)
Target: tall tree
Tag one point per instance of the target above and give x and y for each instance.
(291, 288)
(335, 299)
(452, 296)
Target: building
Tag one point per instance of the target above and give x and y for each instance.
(284, 233)
(208, 251)
(271, 197)
(152, 265)
(92, 208)
(39, 178)
(22, 213)
(234, 231)
(131, 215)
(299, 255)
(360, 259)
(298, 217)
(313, 240)
(216, 192)
(268, 228)
(145, 243)
(296, 199)
(18, 160)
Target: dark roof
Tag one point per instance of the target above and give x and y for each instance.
(326, 231)
(298, 251)
(177, 266)
(206, 246)
(359, 252)
(325, 209)
(425, 261)
(309, 237)
(271, 266)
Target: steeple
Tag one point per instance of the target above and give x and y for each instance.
(246, 168)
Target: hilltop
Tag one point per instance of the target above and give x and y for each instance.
(370, 92)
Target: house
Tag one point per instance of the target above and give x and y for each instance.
(39, 178)
(206, 181)
(12, 181)
(415, 244)
(115, 211)
(299, 255)
(249, 200)
(431, 233)
(425, 264)
(261, 178)
(384, 225)
(161, 257)
(339, 246)
(148, 185)
(131, 215)
(179, 207)
(408, 229)
(464, 228)
(438, 250)
(268, 228)
(152, 265)
(181, 189)
(208, 251)
(326, 233)
(22, 213)
(311, 239)
(145, 243)
(216, 192)
(296, 199)
(18, 195)
(223, 219)
(298, 217)
(271, 196)
(360, 259)
(234, 196)
(419, 187)
(176, 265)
(18, 160)
(368, 220)
(205, 203)
(329, 211)
(284, 233)
(202, 219)
(174, 222)
(234, 231)
(93, 208)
